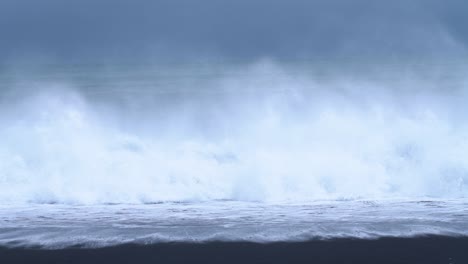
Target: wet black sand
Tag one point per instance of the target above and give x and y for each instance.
(423, 250)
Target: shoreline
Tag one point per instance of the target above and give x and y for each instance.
(425, 250)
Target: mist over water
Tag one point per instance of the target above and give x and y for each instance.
(154, 121)
(263, 132)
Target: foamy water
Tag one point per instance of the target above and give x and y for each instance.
(262, 134)
(60, 226)
(259, 154)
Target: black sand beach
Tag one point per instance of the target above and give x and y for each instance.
(424, 250)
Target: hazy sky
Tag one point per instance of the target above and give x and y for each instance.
(74, 30)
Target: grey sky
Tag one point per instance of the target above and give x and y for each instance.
(74, 30)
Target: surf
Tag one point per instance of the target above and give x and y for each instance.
(267, 133)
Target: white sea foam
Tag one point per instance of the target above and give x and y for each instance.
(60, 226)
(265, 134)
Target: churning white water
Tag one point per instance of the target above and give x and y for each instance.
(60, 226)
(259, 134)
(266, 153)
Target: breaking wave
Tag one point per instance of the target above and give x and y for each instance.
(263, 135)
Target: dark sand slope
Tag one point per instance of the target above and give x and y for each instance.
(424, 250)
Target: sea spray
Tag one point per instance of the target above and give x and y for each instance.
(267, 133)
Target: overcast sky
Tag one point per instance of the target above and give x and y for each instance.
(75, 30)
